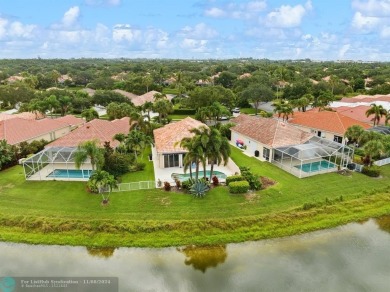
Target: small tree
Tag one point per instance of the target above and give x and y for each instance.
(100, 181)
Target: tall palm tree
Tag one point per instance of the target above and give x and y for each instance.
(217, 150)
(136, 141)
(195, 154)
(163, 107)
(89, 149)
(378, 111)
(372, 148)
(354, 134)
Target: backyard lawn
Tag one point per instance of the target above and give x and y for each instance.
(64, 213)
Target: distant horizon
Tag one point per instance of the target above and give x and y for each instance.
(323, 31)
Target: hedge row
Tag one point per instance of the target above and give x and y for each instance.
(233, 178)
(184, 112)
(238, 187)
(372, 171)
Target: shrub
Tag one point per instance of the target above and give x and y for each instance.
(233, 178)
(138, 166)
(167, 186)
(372, 171)
(117, 163)
(215, 180)
(178, 183)
(199, 189)
(238, 187)
(187, 184)
(184, 112)
(252, 179)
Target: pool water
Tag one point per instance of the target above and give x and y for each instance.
(316, 166)
(185, 176)
(70, 173)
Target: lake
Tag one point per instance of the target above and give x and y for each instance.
(354, 257)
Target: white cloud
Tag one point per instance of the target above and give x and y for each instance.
(372, 7)
(71, 16)
(124, 32)
(114, 2)
(237, 11)
(199, 31)
(362, 22)
(18, 29)
(194, 45)
(343, 50)
(3, 27)
(287, 16)
(215, 12)
(385, 32)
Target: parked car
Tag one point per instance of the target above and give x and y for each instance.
(236, 110)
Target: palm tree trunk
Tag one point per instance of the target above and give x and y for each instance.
(191, 170)
(211, 169)
(197, 170)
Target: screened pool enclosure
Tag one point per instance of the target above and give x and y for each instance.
(56, 163)
(316, 156)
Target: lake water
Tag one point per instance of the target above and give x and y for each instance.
(354, 257)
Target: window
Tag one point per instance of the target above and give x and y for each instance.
(338, 139)
(266, 153)
(171, 160)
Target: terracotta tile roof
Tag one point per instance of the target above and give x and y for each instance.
(24, 115)
(17, 130)
(366, 98)
(147, 97)
(129, 95)
(166, 137)
(329, 121)
(269, 131)
(71, 120)
(358, 113)
(102, 130)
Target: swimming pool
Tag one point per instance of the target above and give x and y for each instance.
(316, 166)
(70, 173)
(185, 176)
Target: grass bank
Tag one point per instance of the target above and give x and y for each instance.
(64, 213)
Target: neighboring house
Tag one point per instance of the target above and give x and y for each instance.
(288, 147)
(129, 95)
(16, 130)
(259, 136)
(325, 124)
(24, 115)
(167, 139)
(358, 113)
(147, 97)
(101, 130)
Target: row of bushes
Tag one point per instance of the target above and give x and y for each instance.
(371, 171)
(239, 184)
(184, 112)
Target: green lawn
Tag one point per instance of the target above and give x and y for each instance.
(64, 213)
(146, 174)
(180, 117)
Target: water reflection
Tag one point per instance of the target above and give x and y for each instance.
(354, 257)
(203, 257)
(384, 223)
(101, 252)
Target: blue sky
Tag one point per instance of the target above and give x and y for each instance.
(199, 29)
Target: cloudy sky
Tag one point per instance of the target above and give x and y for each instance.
(199, 29)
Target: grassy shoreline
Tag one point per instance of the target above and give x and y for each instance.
(64, 213)
(200, 232)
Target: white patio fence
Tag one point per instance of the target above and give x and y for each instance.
(382, 162)
(133, 186)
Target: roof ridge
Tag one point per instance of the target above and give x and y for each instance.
(276, 130)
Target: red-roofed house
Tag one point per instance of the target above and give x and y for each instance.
(170, 154)
(101, 130)
(259, 136)
(358, 113)
(325, 124)
(17, 130)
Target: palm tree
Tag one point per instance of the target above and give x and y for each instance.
(372, 148)
(89, 149)
(387, 118)
(218, 150)
(163, 107)
(195, 154)
(378, 111)
(354, 134)
(136, 141)
(100, 180)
